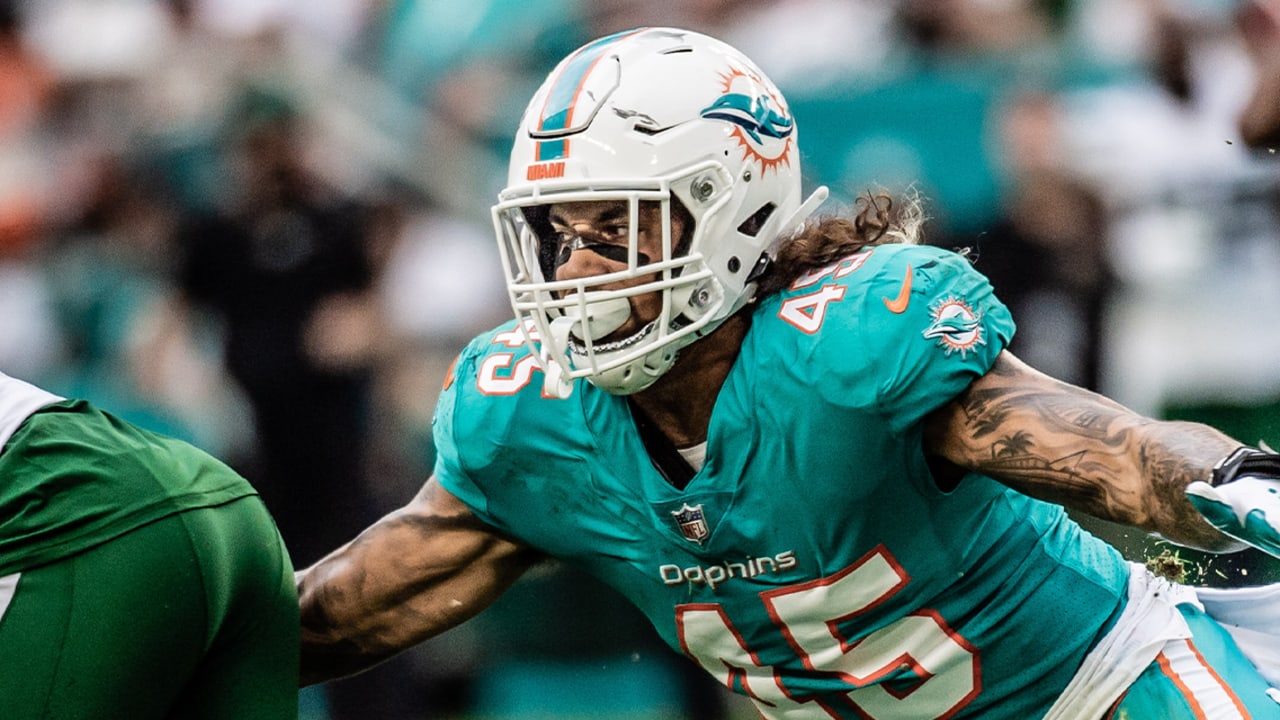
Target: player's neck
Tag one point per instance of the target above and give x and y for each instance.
(680, 403)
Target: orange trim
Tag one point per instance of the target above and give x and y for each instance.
(1115, 707)
(1244, 712)
(451, 374)
(1167, 669)
(577, 91)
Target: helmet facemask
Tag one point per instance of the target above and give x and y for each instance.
(573, 322)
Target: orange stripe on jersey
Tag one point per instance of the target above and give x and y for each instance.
(1210, 685)
(1167, 668)
(1235, 699)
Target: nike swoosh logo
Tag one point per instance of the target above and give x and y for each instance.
(899, 304)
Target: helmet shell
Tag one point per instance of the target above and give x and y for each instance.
(653, 114)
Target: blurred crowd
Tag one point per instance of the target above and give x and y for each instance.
(262, 226)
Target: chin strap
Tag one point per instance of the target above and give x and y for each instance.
(596, 314)
(554, 383)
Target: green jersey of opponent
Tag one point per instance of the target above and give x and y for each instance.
(72, 477)
(812, 563)
(139, 577)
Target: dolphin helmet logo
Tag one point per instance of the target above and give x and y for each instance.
(755, 115)
(762, 123)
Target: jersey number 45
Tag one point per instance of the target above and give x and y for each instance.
(915, 667)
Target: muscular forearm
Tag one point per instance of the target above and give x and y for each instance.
(1167, 457)
(413, 574)
(1067, 445)
(342, 631)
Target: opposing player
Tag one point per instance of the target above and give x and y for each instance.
(798, 445)
(140, 579)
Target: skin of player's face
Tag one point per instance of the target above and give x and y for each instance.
(606, 221)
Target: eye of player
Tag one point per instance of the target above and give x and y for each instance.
(607, 235)
(609, 248)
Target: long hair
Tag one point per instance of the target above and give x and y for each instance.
(877, 219)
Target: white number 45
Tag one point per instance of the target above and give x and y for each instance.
(944, 665)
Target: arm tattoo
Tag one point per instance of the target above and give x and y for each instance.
(1071, 446)
(1014, 426)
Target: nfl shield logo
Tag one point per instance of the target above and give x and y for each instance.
(693, 524)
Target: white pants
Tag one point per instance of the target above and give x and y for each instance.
(1151, 623)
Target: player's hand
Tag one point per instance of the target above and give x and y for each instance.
(1243, 499)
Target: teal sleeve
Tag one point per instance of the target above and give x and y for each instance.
(449, 470)
(495, 432)
(921, 346)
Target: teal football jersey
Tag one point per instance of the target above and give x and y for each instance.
(812, 563)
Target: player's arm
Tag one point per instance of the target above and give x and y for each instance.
(416, 572)
(1067, 445)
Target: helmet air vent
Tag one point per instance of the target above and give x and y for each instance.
(752, 225)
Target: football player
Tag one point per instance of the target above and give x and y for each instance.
(139, 577)
(796, 443)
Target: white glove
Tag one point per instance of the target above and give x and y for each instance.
(1243, 498)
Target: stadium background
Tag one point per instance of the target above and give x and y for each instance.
(1086, 150)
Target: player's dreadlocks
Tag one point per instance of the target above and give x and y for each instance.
(877, 219)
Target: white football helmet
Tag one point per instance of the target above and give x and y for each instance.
(657, 115)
